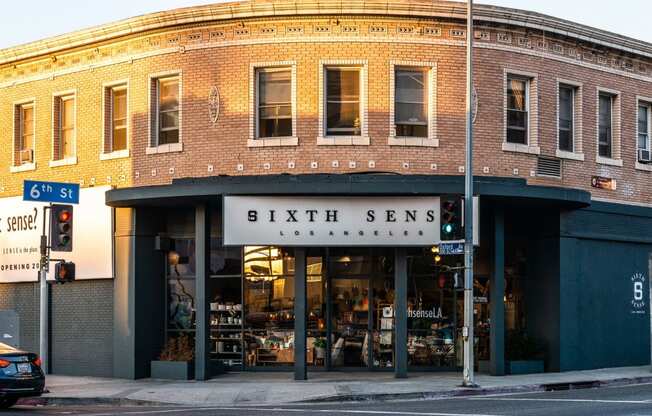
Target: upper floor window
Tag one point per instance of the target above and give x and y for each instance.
(644, 125)
(168, 110)
(64, 128)
(517, 109)
(411, 102)
(605, 124)
(165, 113)
(343, 116)
(115, 118)
(566, 117)
(24, 136)
(274, 102)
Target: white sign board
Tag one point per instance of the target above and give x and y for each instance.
(21, 226)
(331, 221)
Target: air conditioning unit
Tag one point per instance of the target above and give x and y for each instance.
(644, 156)
(26, 156)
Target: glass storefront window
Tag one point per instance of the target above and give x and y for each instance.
(432, 315)
(269, 306)
(181, 284)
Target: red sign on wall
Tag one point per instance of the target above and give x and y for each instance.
(603, 183)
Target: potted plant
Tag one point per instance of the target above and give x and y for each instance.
(524, 353)
(176, 361)
(320, 348)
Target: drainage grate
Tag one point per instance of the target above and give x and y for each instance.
(548, 166)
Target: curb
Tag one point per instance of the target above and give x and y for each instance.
(469, 392)
(371, 397)
(89, 401)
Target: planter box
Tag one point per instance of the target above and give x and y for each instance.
(173, 370)
(525, 367)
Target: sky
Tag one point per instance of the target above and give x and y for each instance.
(26, 22)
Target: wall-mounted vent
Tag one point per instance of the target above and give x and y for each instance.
(548, 166)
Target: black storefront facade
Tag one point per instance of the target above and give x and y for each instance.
(560, 279)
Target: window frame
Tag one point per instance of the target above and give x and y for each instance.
(526, 129)
(532, 134)
(114, 154)
(154, 146)
(323, 138)
(430, 140)
(18, 130)
(648, 106)
(616, 140)
(60, 97)
(645, 101)
(572, 129)
(254, 139)
(577, 108)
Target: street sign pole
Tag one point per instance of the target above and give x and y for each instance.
(467, 333)
(44, 303)
(40, 191)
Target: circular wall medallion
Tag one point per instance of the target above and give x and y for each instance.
(214, 105)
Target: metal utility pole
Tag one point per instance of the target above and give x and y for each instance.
(44, 297)
(468, 208)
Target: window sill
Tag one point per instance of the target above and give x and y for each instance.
(521, 148)
(644, 166)
(412, 141)
(609, 161)
(25, 167)
(118, 154)
(164, 148)
(63, 162)
(343, 141)
(563, 154)
(273, 142)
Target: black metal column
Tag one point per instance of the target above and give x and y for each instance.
(202, 319)
(497, 331)
(300, 327)
(400, 312)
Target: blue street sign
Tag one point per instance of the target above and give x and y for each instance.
(451, 248)
(40, 191)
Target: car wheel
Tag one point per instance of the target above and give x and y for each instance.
(6, 403)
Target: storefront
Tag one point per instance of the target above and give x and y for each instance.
(337, 272)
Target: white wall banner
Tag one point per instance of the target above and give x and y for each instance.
(21, 226)
(331, 221)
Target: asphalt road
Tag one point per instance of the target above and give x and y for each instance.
(614, 401)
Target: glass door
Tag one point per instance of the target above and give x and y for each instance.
(349, 322)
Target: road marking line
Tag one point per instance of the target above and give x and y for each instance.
(527, 399)
(288, 410)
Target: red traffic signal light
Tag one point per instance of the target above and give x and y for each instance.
(61, 227)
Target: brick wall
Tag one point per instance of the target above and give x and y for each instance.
(82, 328)
(221, 56)
(23, 298)
(81, 324)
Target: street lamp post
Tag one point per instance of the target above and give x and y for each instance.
(468, 209)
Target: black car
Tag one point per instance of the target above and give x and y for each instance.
(20, 375)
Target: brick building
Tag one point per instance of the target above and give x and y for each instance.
(194, 117)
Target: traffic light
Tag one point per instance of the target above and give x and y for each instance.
(64, 272)
(451, 218)
(61, 228)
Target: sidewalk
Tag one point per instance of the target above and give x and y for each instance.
(278, 388)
